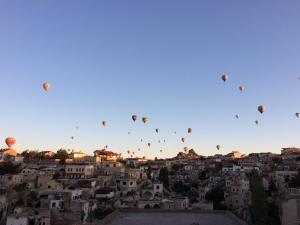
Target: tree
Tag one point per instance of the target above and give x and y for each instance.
(262, 212)
(62, 155)
(216, 196)
(164, 177)
(9, 168)
(181, 188)
(295, 181)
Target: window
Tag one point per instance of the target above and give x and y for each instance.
(53, 205)
(124, 183)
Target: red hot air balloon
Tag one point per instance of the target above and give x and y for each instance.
(10, 141)
(46, 86)
(134, 118)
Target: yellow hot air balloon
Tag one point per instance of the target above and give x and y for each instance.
(145, 119)
(225, 77)
(261, 109)
(46, 86)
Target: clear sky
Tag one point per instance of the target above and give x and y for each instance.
(107, 60)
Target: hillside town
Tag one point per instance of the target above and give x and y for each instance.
(72, 187)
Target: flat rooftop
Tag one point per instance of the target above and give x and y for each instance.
(172, 218)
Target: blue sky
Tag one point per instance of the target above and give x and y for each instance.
(107, 60)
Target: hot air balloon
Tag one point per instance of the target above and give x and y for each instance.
(46, 86)
(161, 150)
(145, 119)
(139, 149)
(156, 130)
(261, 109)
(159, 141)
(185, 149)
(104, 123)
(175, 132)
(134, 118)
(237, 116)
(218, 147)
(10, 141)
(128, 152)
(242, 88)
(257, 122)
(133, 153)
(142, 140)
(183, 139)
(129, 133)
(225, 77)
(149, 145)
(72, 137)
(297, 114)
(164, 140)
(189, 130)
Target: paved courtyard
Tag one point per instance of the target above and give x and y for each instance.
(166, 218)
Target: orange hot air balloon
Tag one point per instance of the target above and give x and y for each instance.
(46, 86)
(145, 119)
(261, 109)
(189, 130)
(149, 145)
(183, 139)
(10, 141)
(218, 147)
(156, 130)
(242, 88)
(104, 123)
(134, 118)
(225, 77)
